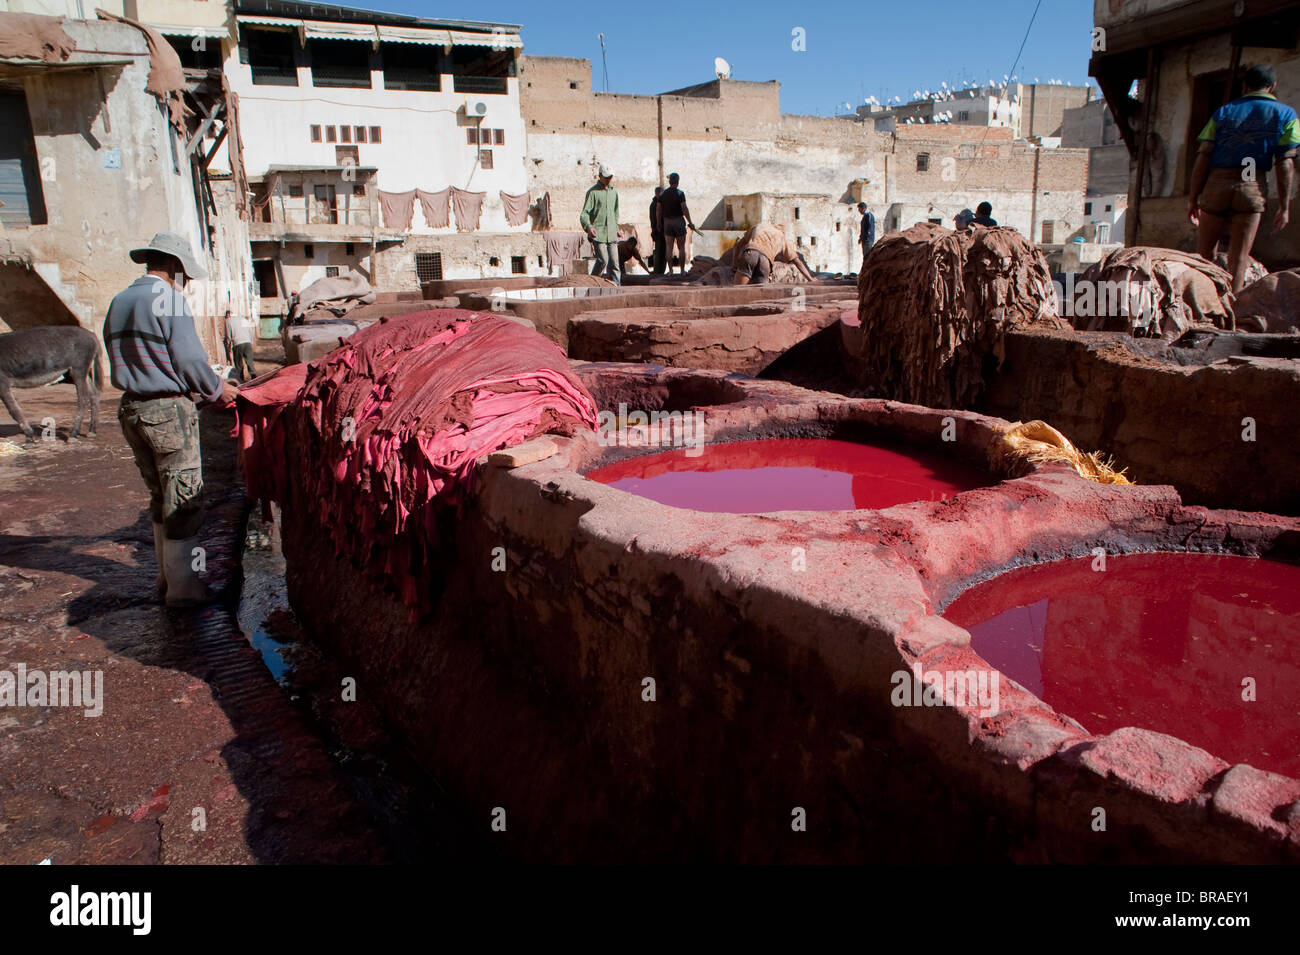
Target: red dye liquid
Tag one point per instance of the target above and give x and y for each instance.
(790, 474)
(1157, 641)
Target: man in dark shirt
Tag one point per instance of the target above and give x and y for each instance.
(1238, 146)
(657, 233)
(866, 230)
(984, 216)
(674, 218)
(156, 358)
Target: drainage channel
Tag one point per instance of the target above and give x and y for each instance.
(411, 813)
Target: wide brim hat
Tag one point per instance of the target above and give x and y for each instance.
(169, 243)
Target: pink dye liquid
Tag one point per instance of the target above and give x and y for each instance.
(1157, 641)
(790, 474)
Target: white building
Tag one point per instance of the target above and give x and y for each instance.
(343, 109)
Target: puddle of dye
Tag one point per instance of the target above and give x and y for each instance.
(790, 474)
(1157, 641)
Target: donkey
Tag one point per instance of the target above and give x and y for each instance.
(38, 356)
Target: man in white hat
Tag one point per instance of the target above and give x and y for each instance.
(156, 358)
(599, 220)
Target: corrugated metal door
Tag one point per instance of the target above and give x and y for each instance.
(18, 174)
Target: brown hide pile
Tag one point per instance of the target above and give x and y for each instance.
(1144, 290)
(933, 304)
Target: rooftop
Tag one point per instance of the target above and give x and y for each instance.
(329, 11)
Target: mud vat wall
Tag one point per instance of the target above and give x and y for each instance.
(740, 338)
(1185, 425)
(531, 694)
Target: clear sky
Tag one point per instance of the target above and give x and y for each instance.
(854, 49)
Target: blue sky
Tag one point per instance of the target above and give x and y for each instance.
(854, 49)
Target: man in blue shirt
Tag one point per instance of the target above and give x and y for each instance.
(1239, 145)
(866, 230)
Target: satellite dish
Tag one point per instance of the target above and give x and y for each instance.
(722, 68)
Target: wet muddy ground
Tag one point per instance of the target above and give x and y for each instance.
(223, 736)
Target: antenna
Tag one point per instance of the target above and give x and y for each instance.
(603, 65)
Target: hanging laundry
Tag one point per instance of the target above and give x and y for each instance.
(436, 207)
(469, 206)
(544, 211)
(516, 208)
(398, 209)
(562, 248)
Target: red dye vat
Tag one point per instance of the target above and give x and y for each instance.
(790, 474)
(1164, 642)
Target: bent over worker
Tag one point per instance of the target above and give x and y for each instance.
(1238, 147)
(758, 248)
(156, 358)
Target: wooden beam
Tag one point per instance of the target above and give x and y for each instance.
(1199, 18)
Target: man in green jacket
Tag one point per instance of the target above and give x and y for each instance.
(600, 221)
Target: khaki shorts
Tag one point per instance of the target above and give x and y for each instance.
(1227, 193)
(164, 437)
(752, 261)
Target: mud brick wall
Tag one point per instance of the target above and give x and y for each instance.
(772, 687)
(1167, 423)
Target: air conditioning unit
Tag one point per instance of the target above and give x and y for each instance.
(476, 109)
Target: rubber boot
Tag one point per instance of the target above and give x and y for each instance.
(184, 588)
(158, 538)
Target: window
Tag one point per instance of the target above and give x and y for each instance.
(479, 69)
(572, 85)
(428, 266)
(340, 63)
(359, 134)
(1103, 232)
(295, 190)
(493, 261)
(330, 135)
(499, 137)
(540, 264)
(269, 55)
(411, 66)
(346, 155)
(798, 240)
(331, 271)
(1049, 230)
(358, 189)
(309, 250)
(1108, 208)
(796, 212)
(485, 159)
(207, 57)
(327, 203)
(813, 240)
(349, 248)
(471, 136)
(345, 134)
(517, 266)
(315, 134)
(1087, 208)
(922, 162)
(963, 115)
(374, 134)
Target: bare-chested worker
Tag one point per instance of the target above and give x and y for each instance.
(1238, 147)
(629, 250)
(674, 218)
(758, 248)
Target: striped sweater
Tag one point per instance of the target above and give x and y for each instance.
(152, 346)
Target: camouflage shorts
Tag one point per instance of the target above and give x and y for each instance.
(164, 437)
